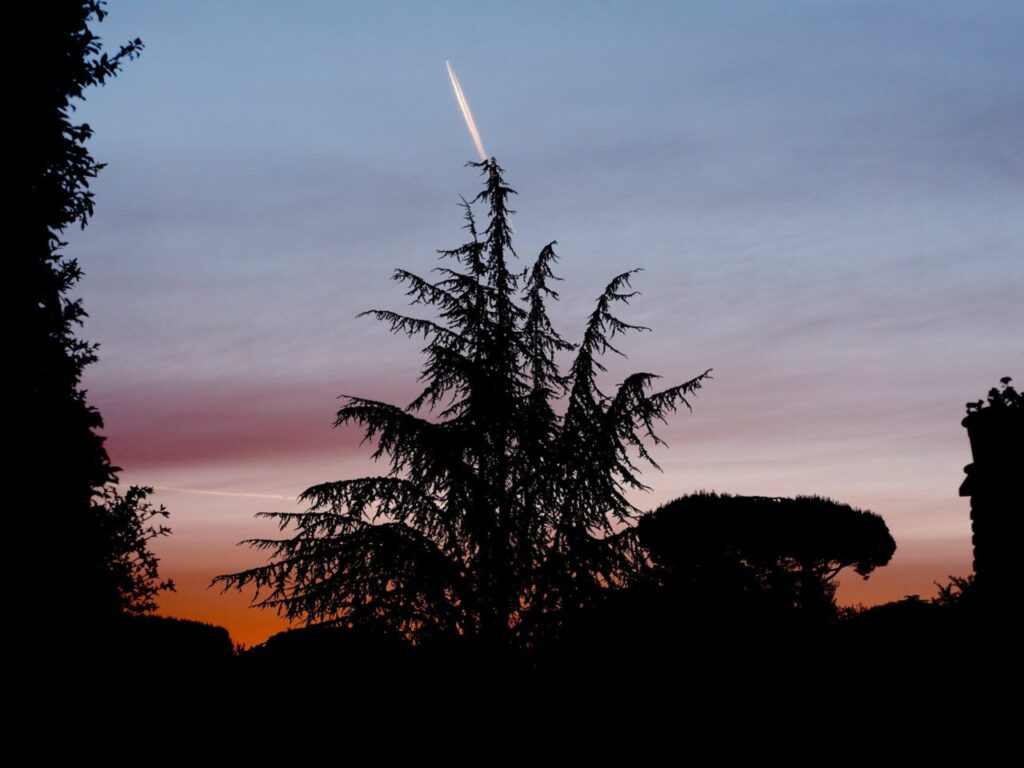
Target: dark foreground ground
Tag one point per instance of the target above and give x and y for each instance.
(907, 649)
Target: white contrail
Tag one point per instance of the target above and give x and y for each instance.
(464, 106)
(224, 493)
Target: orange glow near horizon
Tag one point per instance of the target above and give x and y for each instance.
(214, 502)
(249, 626)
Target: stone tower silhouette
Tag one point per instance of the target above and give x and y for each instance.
(995, 483)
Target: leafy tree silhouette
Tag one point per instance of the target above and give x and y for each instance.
(128, 522)
(499, 510)
(64, 475)
(751, 548)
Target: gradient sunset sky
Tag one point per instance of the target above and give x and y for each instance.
(827, 200)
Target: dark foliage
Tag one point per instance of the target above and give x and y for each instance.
(1002, 398)
(736, 550)
(507, 478)
(129, 665)
(131, 643)
(127, 523)
(61, 465)
(957, 592)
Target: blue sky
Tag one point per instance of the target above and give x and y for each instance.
(827, 200)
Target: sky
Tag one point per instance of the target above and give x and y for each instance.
(827, 201)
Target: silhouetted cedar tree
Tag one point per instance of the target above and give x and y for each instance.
(507, 477)
(745, 551)
(63, 476)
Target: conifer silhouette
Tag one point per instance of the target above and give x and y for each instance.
(500, 510)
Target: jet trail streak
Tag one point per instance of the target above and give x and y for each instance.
(464, 106)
